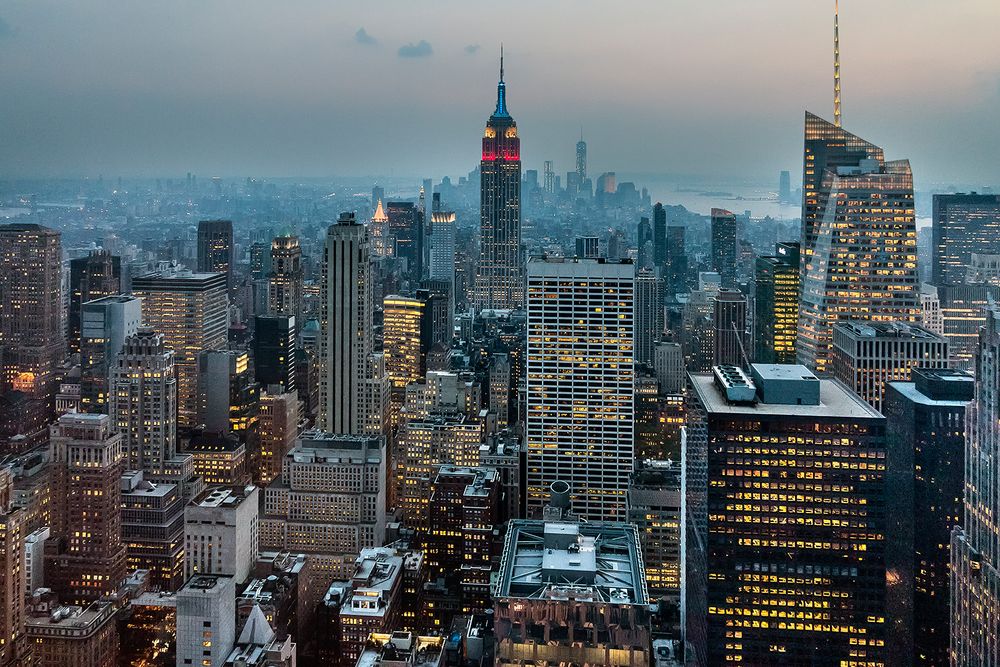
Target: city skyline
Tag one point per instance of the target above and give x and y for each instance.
(310, 97)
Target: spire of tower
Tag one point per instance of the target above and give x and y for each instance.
(836, 62)
(501, 111)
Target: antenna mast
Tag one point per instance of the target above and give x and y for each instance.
(836, 62)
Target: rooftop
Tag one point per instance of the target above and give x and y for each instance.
(835, 401)
(401, 648)
(226, 496)
(868, 329)
(597, 562)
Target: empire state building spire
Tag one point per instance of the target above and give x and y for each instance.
(501, 110)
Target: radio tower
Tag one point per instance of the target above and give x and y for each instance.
(836, 62)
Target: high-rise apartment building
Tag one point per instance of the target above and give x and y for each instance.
(975, 546)
(925, 430)
(962, 224)
(216, 251)
(729, 322)
(648, 315)
(785, 483)
(191, 311)
(725, 241)
(222, 532)
(32, 341)
(92, 277)
(105, 324)
(87, 560)
(867, 356)
(284, 282)
(580, 382)
(500, 272)
(776, 306)
(859, 238)
(353, 385)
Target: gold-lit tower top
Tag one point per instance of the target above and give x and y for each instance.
(836, 63)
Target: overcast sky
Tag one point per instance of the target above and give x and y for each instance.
(355, 87)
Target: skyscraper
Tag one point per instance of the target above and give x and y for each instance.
(352, 377)
(284, 288)
(588, 246)
(324, 470)
(580, 383)
(676, 268)
(105, 325)
(92, 277)
(648, 314)
(660, 242)
(729, 318)
(378, 231)
(143, 401)
(975, 546)
(776, 306)
(724, 245)
(405, 228)
(274, 351)
(31, 333)
(500, 273)
(228, 396)
(405, 351)
(776, 542)
(216, 252)
(88, 562)
(963, 224)
(13, 578)
(867, 356)
(644, 242)
(191, 310)
(581, 159)
(925, 429)
(859, 238)
(549, 176)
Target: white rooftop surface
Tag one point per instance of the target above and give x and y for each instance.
(834, 401)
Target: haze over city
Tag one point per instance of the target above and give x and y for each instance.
(316, 88)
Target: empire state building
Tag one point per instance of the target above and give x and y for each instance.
(500, 276)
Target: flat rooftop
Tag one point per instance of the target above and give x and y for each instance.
(868, 329)
(228, 496)
(835, 401)
(562, 560)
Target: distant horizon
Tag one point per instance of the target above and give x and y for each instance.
(716, 88)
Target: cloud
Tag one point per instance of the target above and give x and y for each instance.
(421, 49)
(362, 37)
(472, 49)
